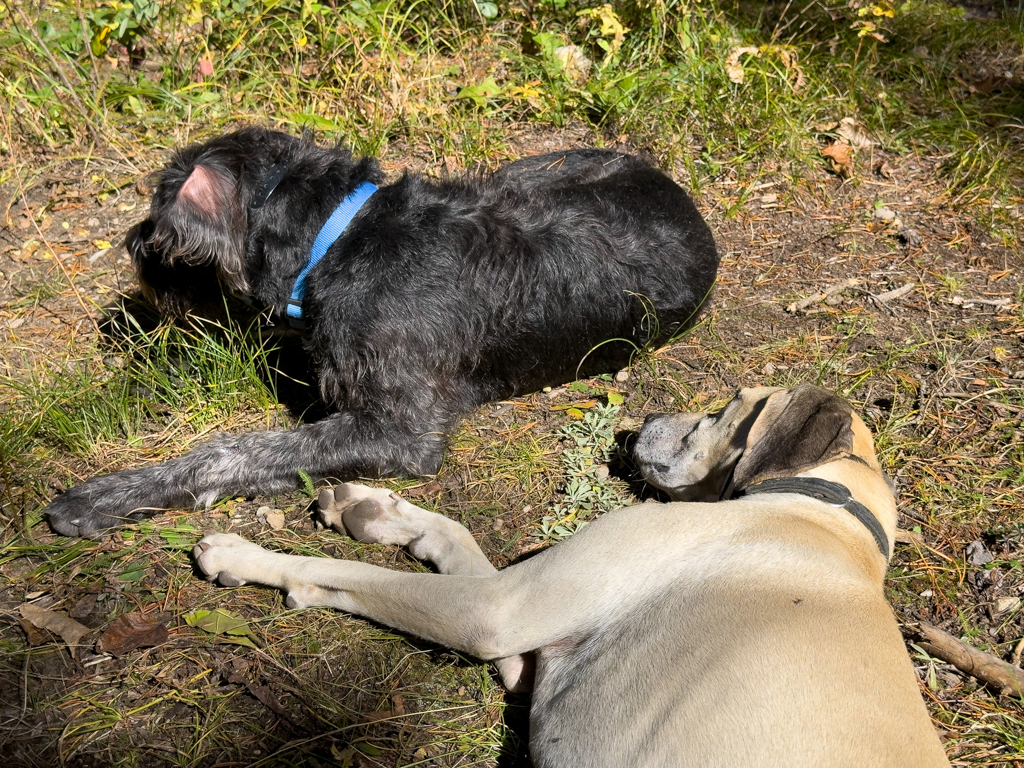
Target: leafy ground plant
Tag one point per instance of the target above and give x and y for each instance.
(589, 490)
(826, 142)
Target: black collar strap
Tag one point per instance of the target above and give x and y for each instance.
(831, 493)
(270, 182)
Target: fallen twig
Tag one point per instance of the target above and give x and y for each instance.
(895, 293)
(970, 397)
(797, 306)
(1003, 677)
(960, 301)
(1017, 651)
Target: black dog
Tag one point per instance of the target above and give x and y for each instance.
(436, 298)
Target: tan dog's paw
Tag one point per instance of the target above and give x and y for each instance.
(224, 557)
(369, 515)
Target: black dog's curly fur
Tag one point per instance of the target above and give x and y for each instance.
(439, 297)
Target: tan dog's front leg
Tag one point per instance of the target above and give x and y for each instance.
(459, 612)
(380, 516)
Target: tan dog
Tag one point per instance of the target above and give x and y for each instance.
(748, 632)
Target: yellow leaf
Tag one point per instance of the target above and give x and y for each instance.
(194, 14)
(103, 245)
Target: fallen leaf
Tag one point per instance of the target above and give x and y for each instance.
(854, 133)
(130, 631)
(908, 537)
(840, 158)
(218, 622)
(733, 68)
(567, 406)
(398, 701)
(267, 698)
(102, 244)
(977, 554)
(70, 631)
(83, 607)
(28, 248)
(429, 489)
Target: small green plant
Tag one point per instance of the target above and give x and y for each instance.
(307, 483)
(588, 489)
(120, 22)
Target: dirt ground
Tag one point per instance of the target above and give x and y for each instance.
(937, 369)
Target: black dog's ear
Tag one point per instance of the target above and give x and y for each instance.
(173, 288)
(209, 193)
(798, 429)
(202, 223)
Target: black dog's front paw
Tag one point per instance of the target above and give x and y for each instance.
(94, 508)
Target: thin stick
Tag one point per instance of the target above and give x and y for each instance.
(895, 293)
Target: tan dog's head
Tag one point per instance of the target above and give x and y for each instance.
(763, 433)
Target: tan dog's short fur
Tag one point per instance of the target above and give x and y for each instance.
(746, 632)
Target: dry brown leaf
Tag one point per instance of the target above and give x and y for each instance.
(267, 698)
(885, 170)
(131, 631)
(70, 631)
(733, 68)
(840, 158)
(854, 133)
(398, 702)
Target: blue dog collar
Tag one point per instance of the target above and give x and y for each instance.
(329, 233)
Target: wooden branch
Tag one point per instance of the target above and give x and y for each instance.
(1005, 678)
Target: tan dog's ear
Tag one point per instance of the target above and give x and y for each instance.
(798, 429)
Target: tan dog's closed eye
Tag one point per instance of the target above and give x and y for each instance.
(747, 632)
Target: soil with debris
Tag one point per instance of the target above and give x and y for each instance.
(873, 286)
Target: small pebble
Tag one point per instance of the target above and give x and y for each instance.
(622, 376)
(498, 524)
(275, 520)
(601, 472)
(262, 512)
(927, 593)
(1006, 604)
(885, 214)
